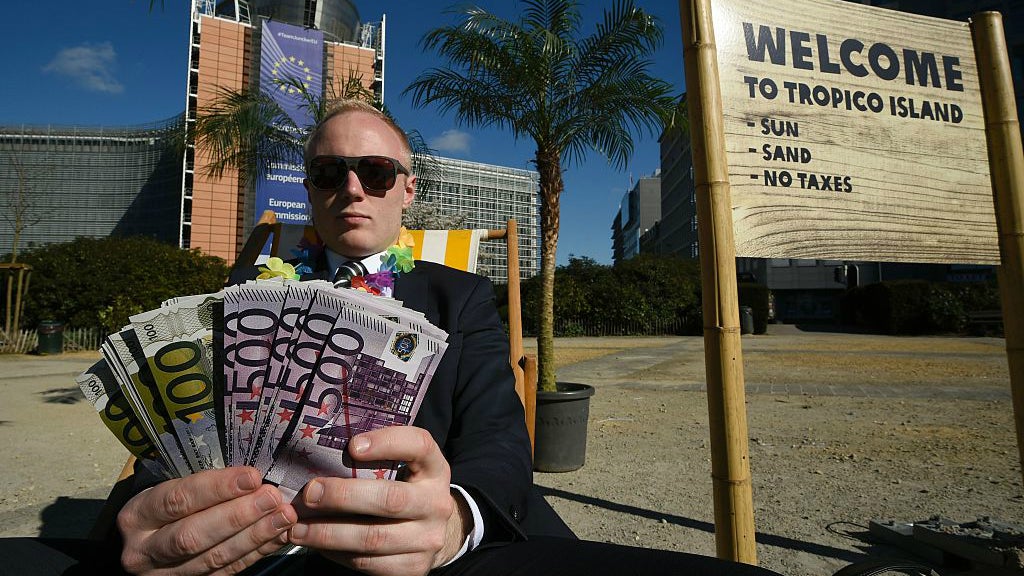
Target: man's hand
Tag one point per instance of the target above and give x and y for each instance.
(212, 522)
(382, 527)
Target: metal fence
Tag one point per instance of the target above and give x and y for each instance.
(75, 340)
(589, 326)
(80, 339)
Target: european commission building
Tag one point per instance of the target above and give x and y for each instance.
(136, 180)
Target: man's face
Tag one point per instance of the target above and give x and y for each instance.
(352, 221)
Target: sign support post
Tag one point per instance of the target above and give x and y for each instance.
(1006, 161)
(723, 357)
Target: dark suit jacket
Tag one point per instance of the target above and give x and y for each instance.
(471, 407)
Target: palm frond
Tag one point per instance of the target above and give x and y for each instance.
(477, 102)
(247, 132)
(425, 165)
(560, 17)
(625, 34)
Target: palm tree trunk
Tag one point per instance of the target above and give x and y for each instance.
(551, 185)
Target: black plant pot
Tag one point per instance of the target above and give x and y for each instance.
(561, 428)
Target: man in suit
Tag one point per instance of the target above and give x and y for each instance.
(466, 503)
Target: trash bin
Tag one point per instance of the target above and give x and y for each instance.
(51, 337)
(746, 320)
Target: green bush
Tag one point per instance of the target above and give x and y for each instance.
(919, 306)
(641, 295)
(92, 282)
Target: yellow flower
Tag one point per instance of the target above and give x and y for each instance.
(277, 268)
(405, 239)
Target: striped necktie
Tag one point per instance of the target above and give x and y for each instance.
(343, 277)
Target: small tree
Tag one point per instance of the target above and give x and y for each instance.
(19, 210)
(247, 130)
(539, 79)
(426, 215)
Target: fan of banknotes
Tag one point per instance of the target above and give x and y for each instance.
(275, 374)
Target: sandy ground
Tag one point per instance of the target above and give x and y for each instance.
(843, 428)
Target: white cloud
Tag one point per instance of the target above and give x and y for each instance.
(89, 65)
(451, 141)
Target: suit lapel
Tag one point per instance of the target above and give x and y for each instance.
(413, 289)
(321, 271)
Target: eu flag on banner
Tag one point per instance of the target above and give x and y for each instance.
(290, 57)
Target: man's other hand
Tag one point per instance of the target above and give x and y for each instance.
(383, 527)
(212, 522)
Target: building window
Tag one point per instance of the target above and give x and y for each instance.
(309, 14)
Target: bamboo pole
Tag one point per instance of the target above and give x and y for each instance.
(723, 355)
(1006, 164)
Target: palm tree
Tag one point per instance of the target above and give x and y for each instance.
(569, 94)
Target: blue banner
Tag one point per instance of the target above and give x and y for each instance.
(289, 55)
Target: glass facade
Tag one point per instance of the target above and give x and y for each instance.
(90, 181)
(488, 196)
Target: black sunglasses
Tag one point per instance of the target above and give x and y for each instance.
(375, 173)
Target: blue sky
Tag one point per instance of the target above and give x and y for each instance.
(116, 63)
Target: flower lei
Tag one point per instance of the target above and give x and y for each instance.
(396, 260)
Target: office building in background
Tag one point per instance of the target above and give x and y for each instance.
(142, 180)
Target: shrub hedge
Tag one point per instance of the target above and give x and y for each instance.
(93, 282)
(918, 306)
(642, 295)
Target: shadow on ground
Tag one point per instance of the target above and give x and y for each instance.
(62, 395)
(835, 328)
(762, 538)
(69, 517)
(868, 546)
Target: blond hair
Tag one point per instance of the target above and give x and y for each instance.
(345, 106)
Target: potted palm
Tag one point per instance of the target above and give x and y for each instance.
(537, 77)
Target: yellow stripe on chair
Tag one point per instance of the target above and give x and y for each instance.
(454, 248)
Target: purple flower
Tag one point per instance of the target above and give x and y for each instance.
(380, 280)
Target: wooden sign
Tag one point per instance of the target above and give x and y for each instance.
(853, 133)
